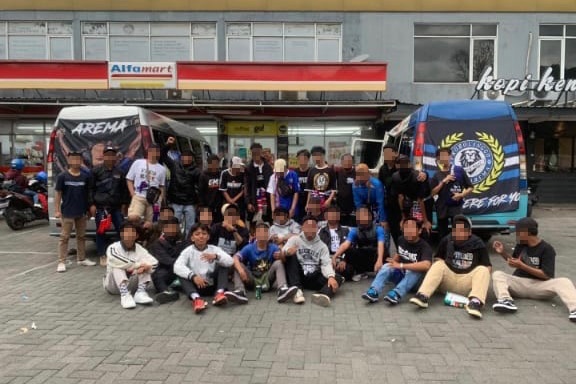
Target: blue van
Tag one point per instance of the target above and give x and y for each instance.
(486, 140)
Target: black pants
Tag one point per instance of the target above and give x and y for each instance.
(315, 281)
(394, 215)
(162, 278)
(220, 282)
(442, 227)
(362, 259)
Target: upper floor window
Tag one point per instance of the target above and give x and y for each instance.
(453, 53)
(558, 50)
(36, 40)
(284, 42)
(149, 41)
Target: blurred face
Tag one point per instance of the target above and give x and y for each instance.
(315, 208)
(460, 233)
(362, 177)
(333, 217)
(166, 214)
(347, 162)
(206, 217)
(110, 159)
(389, 154)
(237, 169)
(231, 216)
(200, 238)
(256, 154)
(363, 217)
(75, 161)
(310, 228)
(443, 160)
(303, 161)
(153, 155)
(171, 230)
(410, 230)
(281, 218)
(318, 158)
(213, 165)
(522, 236)
(262, 234)
(129, 237)
(187, 160)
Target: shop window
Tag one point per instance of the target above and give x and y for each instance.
(558, 50)
(453, 53)
(284, 42)
(140, 41)
(36, 40)
(29, 142)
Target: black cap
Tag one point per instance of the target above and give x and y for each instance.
(462, 219)
(154, 145)
(402, 159)
(74, 153)
(110, 149)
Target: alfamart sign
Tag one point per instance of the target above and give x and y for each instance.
(547, 83)
(158, 75)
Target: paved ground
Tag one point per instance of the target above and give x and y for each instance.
(82, 334)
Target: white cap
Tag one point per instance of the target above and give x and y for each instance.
(280, 165)
(237, 161)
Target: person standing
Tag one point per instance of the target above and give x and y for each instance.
(209, 188)
(321, 181)
(283, 188)
(258, 173)
(233, 185)
(344, 197)
(302, 173)
(71, 201)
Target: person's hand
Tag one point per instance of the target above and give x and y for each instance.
(209, 257)
(227, 226)
(251, 208)
(385, 225)
(335, 261)
(200, 282)
(57, 214)
(378, 265)
(457, 196)
(332, 283)
(341, 266)
(279, 255)
(92, 211)
(290, 251)
(171, 141)
(422, 176)
(243, 275)
(326, 204)
(291, 213)
(449, 178)
(515, 262)
(147, 225)
(427, 226)
(498, 247)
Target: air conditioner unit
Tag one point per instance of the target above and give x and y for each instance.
(491, 95)
(546, 95)
(293, 95)
(176, 94)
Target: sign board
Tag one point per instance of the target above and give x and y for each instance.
(251, 128)
(547, 83)
(139, 75)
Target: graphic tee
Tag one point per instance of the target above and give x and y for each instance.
(541, 256)
(234, 185)
(321, 181)
(145, 175)
(413, 252)
(220, 237)
(74, 191)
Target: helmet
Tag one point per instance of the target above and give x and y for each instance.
(42, 177)
(17, 164)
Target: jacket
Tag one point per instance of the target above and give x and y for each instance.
(19, 179)
(119, 257)
(312, 255)
(108, 186)
(290, 228)
(166, 251)
(183, 186)
(251, 175)
(326, 237)
(372, 195)
(190, 263)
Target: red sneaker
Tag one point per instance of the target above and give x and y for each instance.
(199, 305)
(219, 299)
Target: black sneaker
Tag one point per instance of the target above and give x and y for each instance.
(420, 300)
(505, 306)
(286, 293)
(473, 308)
(238, 296)
(167, 296)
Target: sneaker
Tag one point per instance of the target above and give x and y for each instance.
(392, 297)
(299, 297)
(103, 261)
(371, 295)
(505, 306)
(127, 301)
(219, 299)
(360, 276)
(286, 293)
(142, 297)
(38, 205)
(420, 300)
(572, 316)
(199, 305)
(61, 267)
(167, 296)
(473, 308)
(321, 299)
(86, 263)
(238, 296)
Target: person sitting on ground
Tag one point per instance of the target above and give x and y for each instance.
(154, 231)
(230, 235)
(166, 250)
(333, 234)
(203, 269)
(283, 228)
(129, 268)
(206, 216)
(308, 265)
(406, 268)
(534, 260)
(464, 268)
(364, 249)
(315, 209)
(259, 264)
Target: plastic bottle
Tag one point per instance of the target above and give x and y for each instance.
(455, 300)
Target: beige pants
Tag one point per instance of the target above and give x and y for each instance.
(508, 286)
(116, 276)
(67, 225)
(471, 284)
(140, 207)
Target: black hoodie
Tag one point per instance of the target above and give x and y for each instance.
(464, 257)
(166, 250)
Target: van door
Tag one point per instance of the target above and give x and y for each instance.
(369, 152)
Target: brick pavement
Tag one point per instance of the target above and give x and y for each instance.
(84, 336)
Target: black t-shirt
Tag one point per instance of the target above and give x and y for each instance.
(222, 238)
(463, 258)
(413, 252)
(74, 191)
(541, 256)
(234, 185)
(409, 187)
(445, 206)
(321, 181)
(344, 183)
(209, 189)
(303, 180)
(385, 176)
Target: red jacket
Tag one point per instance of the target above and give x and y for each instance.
(20, 180)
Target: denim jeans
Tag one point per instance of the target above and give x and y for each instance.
(117, 219)
(186, 214)
(409, 279)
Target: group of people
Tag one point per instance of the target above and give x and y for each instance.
(264, 226)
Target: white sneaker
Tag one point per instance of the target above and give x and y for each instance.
(321, 299)
(141, 297)
(86, 263)
(127, 301)
(360, 276)
(299, 297)
(61, 267)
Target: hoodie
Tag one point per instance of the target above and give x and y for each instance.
(286, 230)
(312, 255)
(373, 195)
(190, 263)
(122, 258)
(463, 257)
(166, 250)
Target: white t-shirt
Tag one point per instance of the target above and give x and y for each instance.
(144, 176)
(334, 241)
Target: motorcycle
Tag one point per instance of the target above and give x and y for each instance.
(20, 209)
(3, 193)
(532, 196)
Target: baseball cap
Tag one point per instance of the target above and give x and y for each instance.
(110, 149)
(462, 219)
(402, 159)
(280, 165)
(74, 153)
(237, 161)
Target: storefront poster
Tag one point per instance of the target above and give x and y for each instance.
(335, 151)
(251, 128)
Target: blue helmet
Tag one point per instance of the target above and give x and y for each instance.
(42, 177)
(17, 164)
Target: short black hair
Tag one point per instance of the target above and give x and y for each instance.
(167, 208)
(411, 218)
(261, 224)
(390, 146)
(318, 149)
(203, 208)
(347, 155)
(333, 208)
(361, 207)
(462, 220)
(212, 158)
(281, 210)
(303, 152)
(256, 146)
(527, 224)
(231, 206)
(170, 220)
(154, 146)
(448, 150)
(188, 153)
(129, 225)
(309, 217)
(199, 227)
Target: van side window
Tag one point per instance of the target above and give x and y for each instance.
(184, 144)
(197, 149)
(406, 142)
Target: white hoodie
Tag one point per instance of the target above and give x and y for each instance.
(312, 255)
(285, 231)
(190, 263)
(119, 257)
